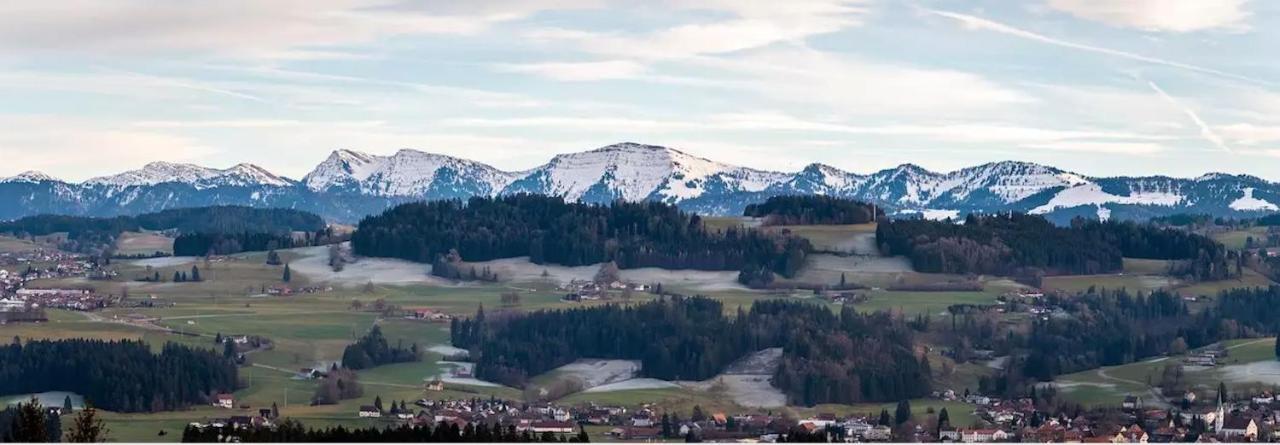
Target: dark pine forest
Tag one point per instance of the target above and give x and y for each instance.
(1020, 245)
(122, 376)
(813, 209)
(827, 357)
(551, 231)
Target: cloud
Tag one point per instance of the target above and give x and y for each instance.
(579, 71)
(1160, 15)
(1249, 134)
(1205, 131)
(1122, 148)
(973, 132)
(740, 25)
(82, 149)
(973, 22)
(288, 29)
(854, 85)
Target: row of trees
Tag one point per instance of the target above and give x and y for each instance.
(813, 209)
(550, 230)
(1019, 244)
(200, 244)
(122, 376)
(827, 358)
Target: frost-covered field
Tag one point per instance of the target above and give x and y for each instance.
(167, 261)
(450, 368)
(314, 264)
(596, 372)
(746, 381)
(448, 351)
(522, 270)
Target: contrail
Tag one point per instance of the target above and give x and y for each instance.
(1205, 131)
(981, 23)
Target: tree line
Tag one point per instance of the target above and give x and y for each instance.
(122, 376)
(551, 231)
(813, 209)
(294, 431)
(826, 358)
(1019, 244)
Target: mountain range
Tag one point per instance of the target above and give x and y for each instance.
(348, 185)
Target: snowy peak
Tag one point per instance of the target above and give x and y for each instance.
(156, 173)
(635, 172)
(407, 173)
(241, 175)
(250, 174)
(30, 176)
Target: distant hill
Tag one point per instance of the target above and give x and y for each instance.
(218, 229)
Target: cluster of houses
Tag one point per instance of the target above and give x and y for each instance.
(281, 290)
(265, 417)
(1247, 420)
(620, 423)
(584, 290)
(71, 299)
(427, 314)
(1206, 357)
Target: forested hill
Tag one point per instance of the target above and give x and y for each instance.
(550, 230)
(1020, 244)
(813, 209)
(827, 358)
(215, 219)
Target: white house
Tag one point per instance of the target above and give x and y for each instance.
(370, 411)
(224, 401)
(983, 435)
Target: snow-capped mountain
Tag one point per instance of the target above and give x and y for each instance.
(635, 172)
(30, 176)
(348, 185)
(406, 173)
(240, 175)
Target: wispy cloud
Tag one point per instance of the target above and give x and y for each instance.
(579, 71)
(1160, 15)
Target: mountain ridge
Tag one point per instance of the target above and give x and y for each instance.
(350, 184)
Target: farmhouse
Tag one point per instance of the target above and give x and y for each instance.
(224, 401)
(370, 411)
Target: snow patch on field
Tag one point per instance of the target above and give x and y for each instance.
(315, 265)
(596, 372)
(449, 351)
(522, 270)
(938, 215)
(168, 261)
(1092, 194)
(747, 380)
(633, 384)
(1266, 372)
(1248, 202)
(453, 369)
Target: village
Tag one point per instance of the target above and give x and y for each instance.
(1222, 418)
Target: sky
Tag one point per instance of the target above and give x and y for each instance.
(1100, 87)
